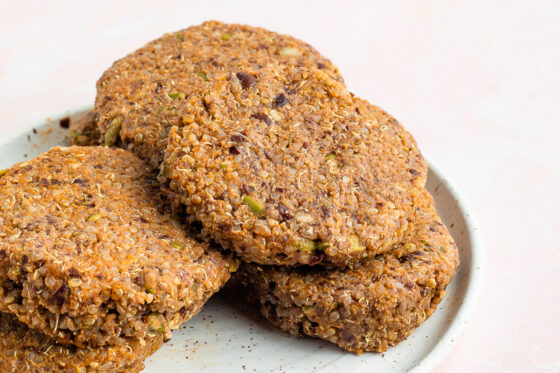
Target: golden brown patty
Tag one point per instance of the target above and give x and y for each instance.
(372, 306)
(288, 167)
(27, 350)
(142, 95)
(89, 255)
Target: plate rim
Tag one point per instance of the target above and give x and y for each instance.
(461, 320)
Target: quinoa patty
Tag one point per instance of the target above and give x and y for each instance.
(369, 307)
(292, 168)
(88, 254)
(27, 350)
(142, 95)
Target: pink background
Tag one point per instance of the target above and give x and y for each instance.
(477, 83)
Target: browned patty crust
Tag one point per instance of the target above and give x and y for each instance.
(369, 307)
(27, 350)
(142, 95)
(292, 168)
(88, 254)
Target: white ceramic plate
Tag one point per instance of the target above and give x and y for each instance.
(228, 336)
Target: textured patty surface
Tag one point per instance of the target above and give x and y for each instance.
(369, 307)
(288, 167)
(27, 350)
(88, 254)
(142, 95)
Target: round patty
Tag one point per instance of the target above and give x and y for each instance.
(27, 350)
(88, 254)
(369, 307)
(142, 95)
(292, 168)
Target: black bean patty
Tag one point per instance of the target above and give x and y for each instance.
(88, 254)
(375, 304)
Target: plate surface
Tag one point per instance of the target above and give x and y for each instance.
(229, 336)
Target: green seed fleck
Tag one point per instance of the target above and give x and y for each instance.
(155, 324)
(306, 245)
(150, 290)
(224, 165)
(202, 75)
(225, 36)
(330, 157)
(161, 109)
(425, 242)
(442, 249)
(3, 172)
(254, 205)
(113, 132)
(172, 158)
(176, 95)
(308, 308)
(180, 37)
(323, 245)
(16, 271)
(164, 170)
(176, 245)
(290, 51)
(93, 218)
(354, 242)
(234, 266)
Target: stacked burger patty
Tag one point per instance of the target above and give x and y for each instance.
(94, 271)
(206, 145)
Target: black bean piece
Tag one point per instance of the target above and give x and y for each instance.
(280, 101)
(262, 117)
(246, 80)
(65, 122)
(59, 296)
(237, 138)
